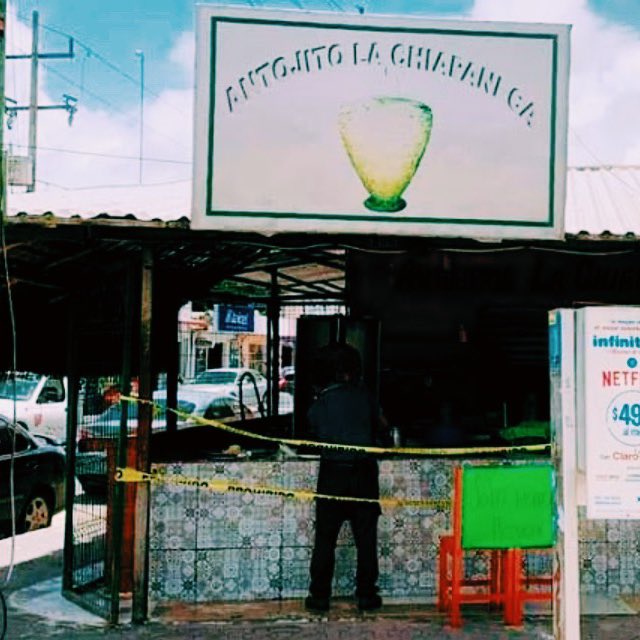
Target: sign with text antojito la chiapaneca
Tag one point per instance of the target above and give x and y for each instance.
(379, 124)
(608, 357)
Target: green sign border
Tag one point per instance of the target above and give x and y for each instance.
(210, 212)
(495, 513)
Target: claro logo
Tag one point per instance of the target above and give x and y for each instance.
(623, 455)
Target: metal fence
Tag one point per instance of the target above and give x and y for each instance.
(216, 349)
(88, 579)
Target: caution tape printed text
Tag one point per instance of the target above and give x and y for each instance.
(413, 451)
(128, 474)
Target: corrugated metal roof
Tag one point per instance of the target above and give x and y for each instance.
(600, 200)
(165, 202)
(603, 200)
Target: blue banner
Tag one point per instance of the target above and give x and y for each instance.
(238, 318)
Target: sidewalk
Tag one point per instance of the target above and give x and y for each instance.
(37, 610)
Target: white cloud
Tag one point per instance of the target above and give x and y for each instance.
(604, 103)
(604, 88)
(183, 54)
(105, 142)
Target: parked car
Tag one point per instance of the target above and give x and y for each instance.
(287, 379)
(285, 403)
(91, 458)
(40, 402)
(39, 466)
(236, 382)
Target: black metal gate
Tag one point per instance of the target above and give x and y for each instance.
(93, 556)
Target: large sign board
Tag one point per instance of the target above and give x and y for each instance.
(375, 124)
(508, 507)
(608, 350)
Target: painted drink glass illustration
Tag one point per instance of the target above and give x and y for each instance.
(385, 139)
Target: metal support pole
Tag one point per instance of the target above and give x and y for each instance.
(173, 366)
(140, 54)
(72, 428)
(33, 101)
(119, 488)
(145, 415)
(269, 372)
(274, 315)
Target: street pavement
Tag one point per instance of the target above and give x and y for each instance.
(37, 610)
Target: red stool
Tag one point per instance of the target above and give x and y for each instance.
(454, 589)
(504, 584)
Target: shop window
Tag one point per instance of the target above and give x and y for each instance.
(214, 357)
(256, 357)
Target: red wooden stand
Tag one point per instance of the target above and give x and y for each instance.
(504, 584)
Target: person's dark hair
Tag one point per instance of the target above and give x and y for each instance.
(337, 363)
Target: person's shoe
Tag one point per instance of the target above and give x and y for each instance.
(313, 603)
(369, 603)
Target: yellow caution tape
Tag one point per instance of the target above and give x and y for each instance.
(410, 451)
(128, 474)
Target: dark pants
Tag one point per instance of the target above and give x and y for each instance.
(359, 479)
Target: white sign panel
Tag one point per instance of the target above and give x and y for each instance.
(610, 362)
(334, 123)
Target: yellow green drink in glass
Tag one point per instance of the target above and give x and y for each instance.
(385, 139)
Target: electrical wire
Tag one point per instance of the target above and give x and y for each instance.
(604, 166)
(106, 155)
(104, 60)
(329, 246)
(114, 186)
(128, 116)
(14, 364)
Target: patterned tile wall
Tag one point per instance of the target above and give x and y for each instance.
(207, 546)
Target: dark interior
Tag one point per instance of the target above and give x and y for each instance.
(463, 324)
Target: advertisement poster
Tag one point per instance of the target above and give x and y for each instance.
(608, 361)
(379, 124)
(237, 318)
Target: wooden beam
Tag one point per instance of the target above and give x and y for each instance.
(173, 367)
(145, 415)
(72, 428)
(118, 515)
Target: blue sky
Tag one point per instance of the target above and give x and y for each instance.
(605, 92)
(117, 28)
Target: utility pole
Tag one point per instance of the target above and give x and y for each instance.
(69, 104)
(33, 101)
(140, 54)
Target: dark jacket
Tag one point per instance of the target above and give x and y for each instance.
(346, 413)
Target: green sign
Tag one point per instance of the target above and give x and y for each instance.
(508, 507)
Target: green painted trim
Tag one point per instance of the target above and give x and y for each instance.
(212, 109)
(358, 27)
(552, 127)
(369, 218)
(210, 212)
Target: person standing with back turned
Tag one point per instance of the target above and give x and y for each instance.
(345, 412)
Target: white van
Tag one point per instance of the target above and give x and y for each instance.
(40, 402)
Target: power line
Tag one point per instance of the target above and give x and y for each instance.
(108, 155)
(98, 56)
(128, 116)
(106, 102)
(115, 186)
(95, 96)
(604, 165)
